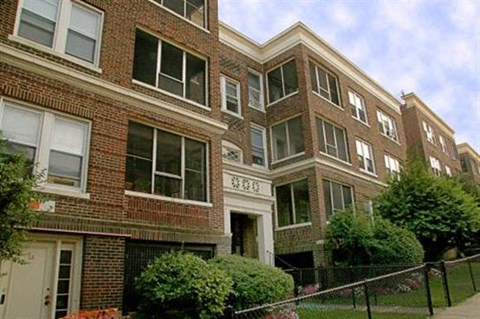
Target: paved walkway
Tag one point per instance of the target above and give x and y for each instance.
(469, 309)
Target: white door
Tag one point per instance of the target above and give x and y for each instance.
(27, 289)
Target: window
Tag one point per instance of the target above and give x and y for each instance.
(452, 149)
(166, 164)
(255, 91)
(65, 26)
(231, 152)
(435, 165)
(324, 83)
(257, 135)
(337, 197)
(332, 139)
(430, 133)
(193, 10)
(474, 166)
(357, 105)
(448, 170)
(57, 144)
(230, 95)
(292, 204)
(392, 166)
(287, 138)
(387, 126)
(442, 143)
(160, 64)
(282, 81)
(365, 156)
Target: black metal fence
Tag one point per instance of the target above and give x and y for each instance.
(369, 290)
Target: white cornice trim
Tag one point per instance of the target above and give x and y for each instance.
(30, 62)
(466, 148)
(301, 34)
(246, 170)
(412, 100)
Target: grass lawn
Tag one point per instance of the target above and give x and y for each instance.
(352, 314)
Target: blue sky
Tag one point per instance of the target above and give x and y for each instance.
(429, 47)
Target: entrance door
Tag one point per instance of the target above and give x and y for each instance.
(26, 290)
(238, 240)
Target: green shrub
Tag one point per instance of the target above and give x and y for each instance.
(181, 285)
(254, 283)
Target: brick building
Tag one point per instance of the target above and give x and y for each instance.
(469, 161)
(429, 137)
(159, 128)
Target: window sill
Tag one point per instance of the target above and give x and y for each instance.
(287, 158)
(151, 87)
(262, 167)
(282, 98)
(390, 138)
(359, 120)
(168, 199)
(261, 109)
(329, 102)
(48, 50)
(239, 116)
(48, 189)
(204, 29)
(293, 226)
(368, 173)
(335, 158)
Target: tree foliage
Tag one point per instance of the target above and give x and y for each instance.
(181, 285)
(436, 209)
(16, 193)
(254, 283)
(358, 239)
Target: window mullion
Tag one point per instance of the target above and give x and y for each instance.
(184, 8)
(317, 79)
(332, 199)
(283, 81)
(61, 26)
(182, 167)
(154, 161)
(292, 197)
(184, 73)
(288, 138)
(335, 139)
(159, 63)
(44, 145)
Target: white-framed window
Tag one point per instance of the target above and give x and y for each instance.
(387, 126)
(230, 90)
(231, 152)
(337, 196)
(324, 83)
(392, 166)
(435, 165)
(192, 10)
(166, 164)
(442, 143)
(332, 140)
(258, 141)
(169, 68)
(282, 81)
(452, 149)
(58, 145)
(68, 27)
(287, 138)
(255, 90)
(357, 106)
(293, 204)
(429, 132)
(365, 156)
(448, 170)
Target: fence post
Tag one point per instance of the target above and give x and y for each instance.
(427, 289)
(471, 275)
(352, 280)
(229, 313)
(367, 299)
(445, 283)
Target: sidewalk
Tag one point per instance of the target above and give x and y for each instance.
(469, 309)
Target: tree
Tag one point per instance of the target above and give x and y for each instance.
(16, 193)
(435, 209)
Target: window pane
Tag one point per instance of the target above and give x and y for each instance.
(169, 187)
(195, 188)
(279, 141)
(175, 5)
(169, 153)
(194, 155)
(322, 80)
(347, 196)
(254, 81)
(138, 175)
(195, 79)
(85, 22)
(36, 28)
(290, 77)
(321, 136)
(231, 96)
(313, 77)
(145, 59)
(80, 46)
(27, 151)
(284, 205)
(333, 90)
(69, 137)
(302, 206)
(337, 196)
(328, 199)
(295, 135)
(140, 140)
(275, 90)
(258, 155)
(196, 12)
(172, 61)
(341, 144)
(64, 169)
(330, 139)
(63, 287)
(195, 170)
(43, 8)
(19, 125)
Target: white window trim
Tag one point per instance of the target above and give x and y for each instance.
(442, 143)
(283, 83)
(60, 33)
(274, 161)
(264, 138)
(380, 116)
(226, 145)
(292, 197)
(336, 143)
(435, 165)
(362, 101)
(262, 97)
(429, 133)
(43, 148)
(389, 159)
(343, 199)
(205, 29)
(448, 170)
(339, 105)
(223, 91)
(370, 150)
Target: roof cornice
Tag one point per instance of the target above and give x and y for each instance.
(299, 33)
(466, 148)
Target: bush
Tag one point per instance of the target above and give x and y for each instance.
(181, 285)
(254, 283)
(356, 239)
